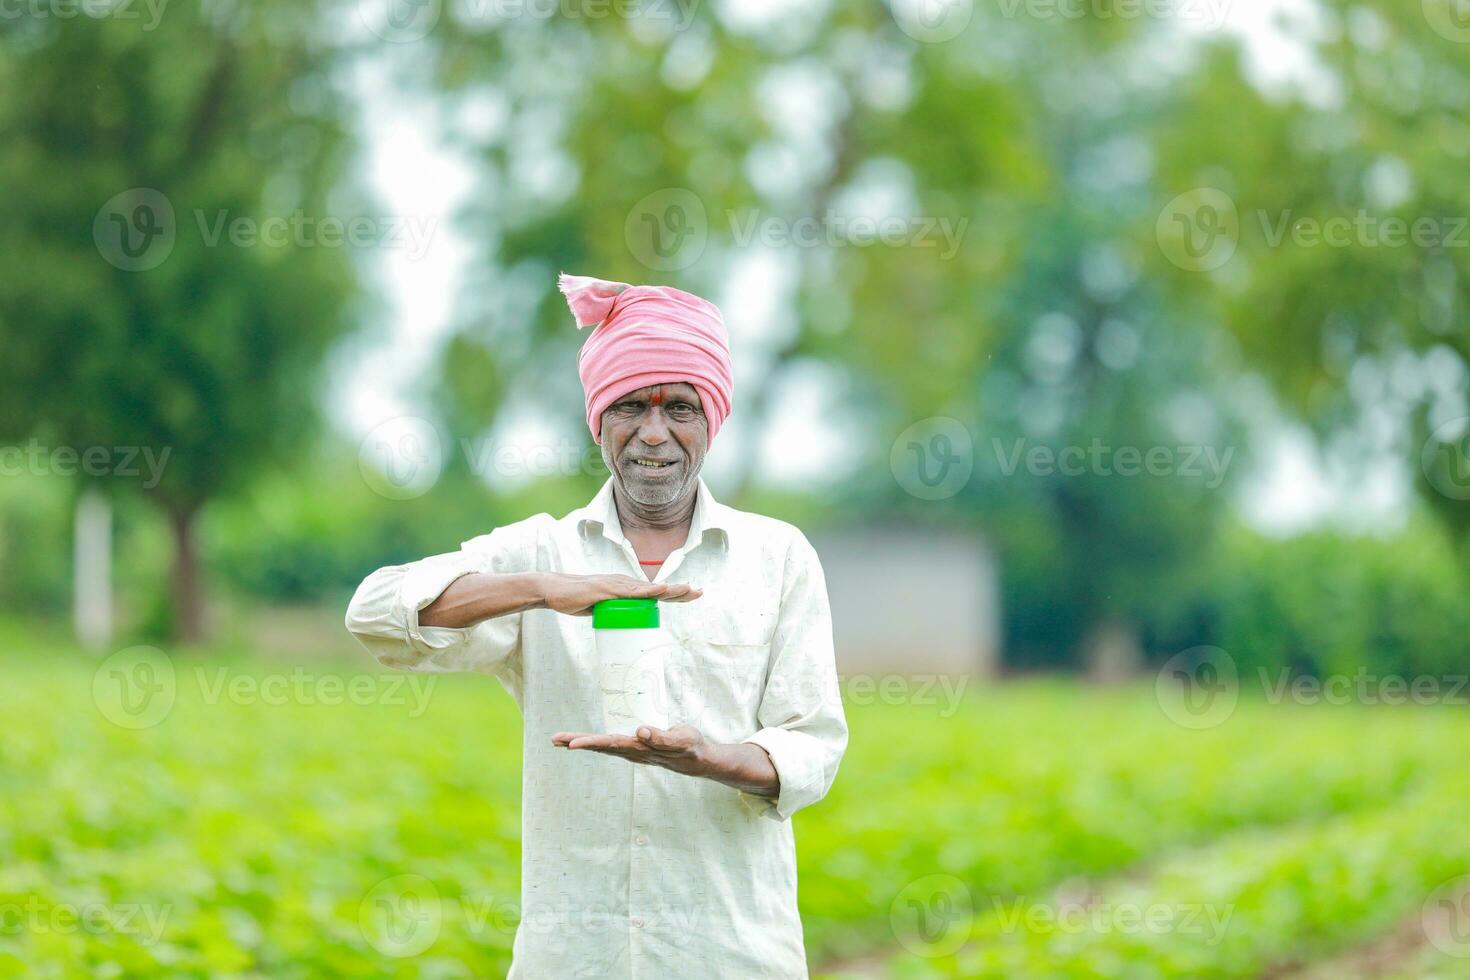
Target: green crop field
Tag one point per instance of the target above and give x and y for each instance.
(266, 818)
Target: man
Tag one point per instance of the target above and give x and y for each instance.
(668, 853)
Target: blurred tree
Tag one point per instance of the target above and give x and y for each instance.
(145, 303)
(1333, 237)
(1106, 446)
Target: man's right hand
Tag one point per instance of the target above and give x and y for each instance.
(575, 595)
(474, 598)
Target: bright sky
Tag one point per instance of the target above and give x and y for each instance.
(412, 173)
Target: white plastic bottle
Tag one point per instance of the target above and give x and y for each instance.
(631, 650)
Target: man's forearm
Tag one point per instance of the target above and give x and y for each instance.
(743, 765)
(472, 599)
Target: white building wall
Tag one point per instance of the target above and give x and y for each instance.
(912, 601)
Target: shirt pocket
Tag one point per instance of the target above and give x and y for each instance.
(717, 674)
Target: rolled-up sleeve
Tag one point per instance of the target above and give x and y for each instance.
(384, 612)
(803, 728)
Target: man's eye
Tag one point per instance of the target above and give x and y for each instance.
(681, 408)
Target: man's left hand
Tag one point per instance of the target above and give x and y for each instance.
(681, 748)
(684, 749)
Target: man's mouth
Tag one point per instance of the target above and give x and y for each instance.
(653, 464)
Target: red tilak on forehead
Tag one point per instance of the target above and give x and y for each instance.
(657, 398)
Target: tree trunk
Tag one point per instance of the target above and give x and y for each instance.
(1112, 651)
(188, 599)
(92, 569)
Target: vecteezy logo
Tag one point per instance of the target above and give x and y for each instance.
(933, 458)
(399, 21)
(1199, 687)
(933, 915)
(685, 689)
(1450, 19)
(135, 230)
(1445, 917)
(401, 458)
(1199, 230)
(637, 691)
(401, 916)
(933, 21)
(667, 230)
(1446, 458)
(135, 688)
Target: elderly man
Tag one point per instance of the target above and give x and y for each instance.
(667, 853)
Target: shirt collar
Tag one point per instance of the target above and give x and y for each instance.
(710, 520)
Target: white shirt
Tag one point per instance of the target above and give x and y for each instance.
(630, 870)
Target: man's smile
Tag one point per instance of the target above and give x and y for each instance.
(654, 464)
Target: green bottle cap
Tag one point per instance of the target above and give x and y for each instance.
(625, 614)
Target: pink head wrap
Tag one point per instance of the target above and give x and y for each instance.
(648, 335)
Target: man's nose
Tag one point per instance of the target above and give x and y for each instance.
(654, 429)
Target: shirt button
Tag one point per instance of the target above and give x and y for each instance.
(638, 921)
(640, 840)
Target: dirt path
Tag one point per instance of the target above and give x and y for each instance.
(870, 967)
(1072, 893)
(1392, 954)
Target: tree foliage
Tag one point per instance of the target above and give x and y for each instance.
(132, 313)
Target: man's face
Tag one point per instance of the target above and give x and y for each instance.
(653, 442)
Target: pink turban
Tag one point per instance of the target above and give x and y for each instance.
(648, 335)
